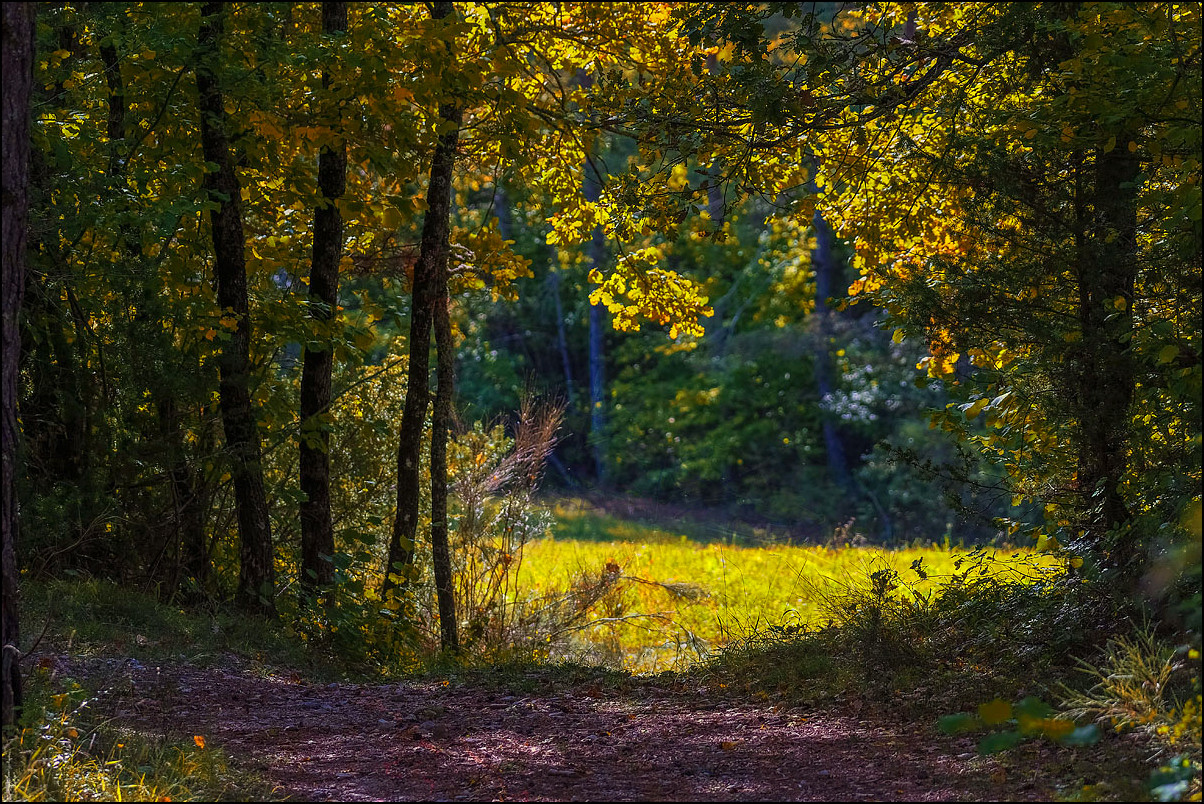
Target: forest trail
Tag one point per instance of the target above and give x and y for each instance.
(580, 740)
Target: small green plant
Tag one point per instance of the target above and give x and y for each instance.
(1132, 686)
(64, 752)
(1141, 683)
(1011, 724)
(1177, 780)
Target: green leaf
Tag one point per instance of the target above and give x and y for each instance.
(956, 724)
(1000, 741)
(1033, 707)
(1083, 735)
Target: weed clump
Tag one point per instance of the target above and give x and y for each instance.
(64, 751)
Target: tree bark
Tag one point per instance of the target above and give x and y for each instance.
(18, 32)
(188, 503)
(562, 341)
(256, 580)
(1106, 375)
(827, 274)
(317, 527)
(432, 259)
(440, 433)
(592, 190)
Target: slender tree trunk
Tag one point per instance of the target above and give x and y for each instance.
(432, 259)
(56, 420)
(18, 28)
(187, 525)
(827, 273)
(562, 341)
(441, 419)
(1105, 372)
(317, 527)
(440, 433)
(256, 581)
(592, 190)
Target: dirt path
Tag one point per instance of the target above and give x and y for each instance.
(435, 740)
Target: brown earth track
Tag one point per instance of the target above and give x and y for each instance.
(440, 740)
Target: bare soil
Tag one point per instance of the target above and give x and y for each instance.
(583, 739)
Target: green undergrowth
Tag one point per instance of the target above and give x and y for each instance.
(577, 520)
(905, 644)
(97, 617)
(978, 643)
(67, 750)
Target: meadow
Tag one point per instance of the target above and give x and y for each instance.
(663, 600)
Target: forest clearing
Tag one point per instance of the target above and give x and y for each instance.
(602, 401)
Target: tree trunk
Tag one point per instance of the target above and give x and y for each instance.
(562, 341)
(592, 190)
(440, 432)
(1105, 372)
(317, 527)
(18, 32)
(827, 274)
(432, 259)
(187, 526)
(256, 580)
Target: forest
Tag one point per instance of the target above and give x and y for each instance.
(644, 401)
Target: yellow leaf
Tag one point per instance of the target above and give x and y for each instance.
(977, 407)
(1046, 543)
(898, 336)
(728, 745)
(1056, 728)
(199, 740)
(995, 712)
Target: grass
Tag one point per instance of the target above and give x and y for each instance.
(86, 616)
(925, 630)
(66, 751)
(675, 600)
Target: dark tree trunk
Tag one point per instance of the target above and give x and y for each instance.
(1105, 371)
(56, 423)
(256, 580)
(187, 525)
(18, 27)
(827, 277)
(317, 527)
(562, 341)
(189, 500)
(432, 259)
(440, 433)
(592, 190)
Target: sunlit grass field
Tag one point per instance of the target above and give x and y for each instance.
(670, 599)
